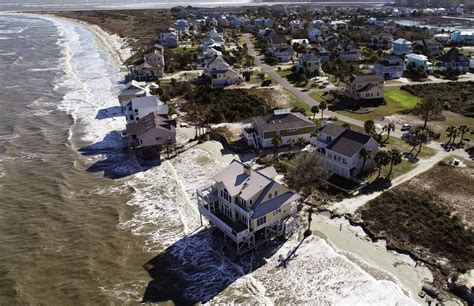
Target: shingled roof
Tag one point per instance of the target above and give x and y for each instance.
(275, 122)
(348, 143)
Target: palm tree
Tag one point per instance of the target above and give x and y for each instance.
(450, 131)
(276, 142)
(462, 129)
(395, 159)
(455, 134)
(389, 128)
(423, 137)
(365, 154)
(381, 158)
(314, 110)
(322, 106)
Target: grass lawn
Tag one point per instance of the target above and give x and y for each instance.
(403, 146)
(317, 95)
(284, 73)
(397, 170)
(397, 100)
(297, 102)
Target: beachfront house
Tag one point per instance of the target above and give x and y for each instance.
(453, 59)
(154, 129)
(222, 74)
(150, 67)
(291, 127)
(310, 64)
(248, 206)
(139, 107)
(463, 37)
(341, 147)
(418, 61)
(364, 88)
(389, 67)
(134, 89)
(402, 46)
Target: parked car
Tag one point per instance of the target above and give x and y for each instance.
(406, 127)
(326, 83)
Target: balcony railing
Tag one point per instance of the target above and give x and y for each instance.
(236, 236)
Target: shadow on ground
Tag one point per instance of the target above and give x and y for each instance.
(117, 162)
(197, 268)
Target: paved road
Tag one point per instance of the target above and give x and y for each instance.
(306, 98)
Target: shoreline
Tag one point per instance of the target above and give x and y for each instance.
(115, 47)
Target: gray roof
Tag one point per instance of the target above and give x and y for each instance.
(332, 130)
(147, 101)
(238, 182)
(263, 208)
(309, 57)
(274, 122)
(372, 78)
(348, 143)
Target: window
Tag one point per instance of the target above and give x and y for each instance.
(275, 194)
(261, 220)
(157, 138)
(131, 117)
(344, 161)
(269, 195)
(277, 211)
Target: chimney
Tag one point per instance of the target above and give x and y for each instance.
(247, 170)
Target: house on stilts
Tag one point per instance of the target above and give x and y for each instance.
(249, 206)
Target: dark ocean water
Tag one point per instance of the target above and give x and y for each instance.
(58, 222)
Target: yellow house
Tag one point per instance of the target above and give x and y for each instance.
(247, 205)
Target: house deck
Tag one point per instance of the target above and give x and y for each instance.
(236, 226)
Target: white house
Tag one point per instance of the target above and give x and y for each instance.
(337, 25)
(222, 74)
(212, 39)
(317, 24)
(389, 67)
(341, 149)
(134, 89)
(142, 106)
(402, 46)
(259, 131)
(364, 88)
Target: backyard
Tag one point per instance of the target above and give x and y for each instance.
(397, 100)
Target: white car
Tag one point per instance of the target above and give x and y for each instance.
(406, 127)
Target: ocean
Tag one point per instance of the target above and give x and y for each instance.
(84, 222)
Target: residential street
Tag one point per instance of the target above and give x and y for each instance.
(305, 97)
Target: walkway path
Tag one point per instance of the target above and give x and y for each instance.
(350, 205)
